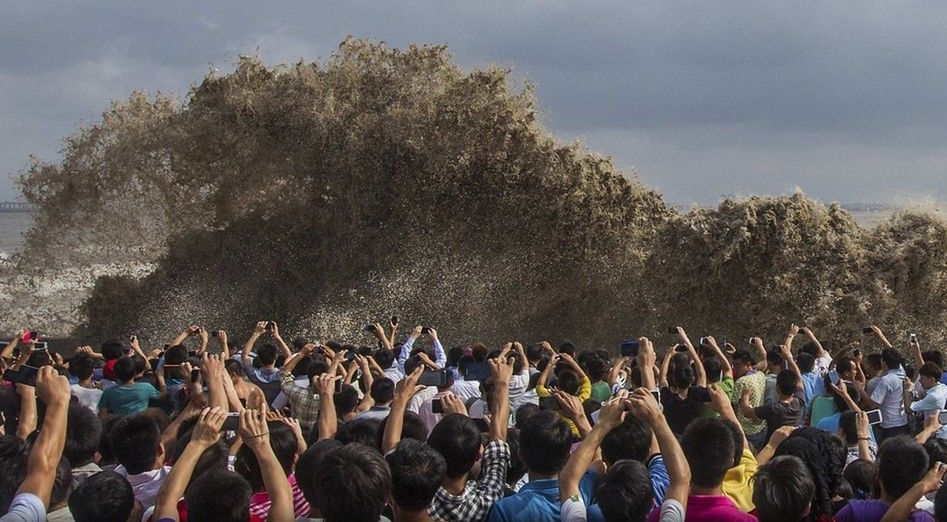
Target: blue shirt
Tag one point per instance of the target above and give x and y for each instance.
(813, 385)
(128, 399)
(539, 500)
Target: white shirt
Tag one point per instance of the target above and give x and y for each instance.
(145, 485)
(88, 397)
(931, 402)
(889, 394)
(466, 390)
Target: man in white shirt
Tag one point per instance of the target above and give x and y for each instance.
(888, 396)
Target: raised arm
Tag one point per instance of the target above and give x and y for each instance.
(665, 365)
(904, 506)
(181, 337)
(757, 343)
(613, 412)
(224, 344)
(404, 390)
(916, 352)
(699, 373)
(791, 334)
(7, 351)
(280, 343)
(646, 359)
(205, 434)
(791, 364)
(646, 408)
(328, 422)
(822, 352)
(501, 371)
(880, 336)
(406, 347)
(136, 347)
(440, 357)
(53, 390)
(393, 330)
(202, 333)
(255, 434)
(726, 369)
(258, 330)
(28, 416)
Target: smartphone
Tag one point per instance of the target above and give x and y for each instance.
(867, 330)
(25, 375)
(942, 418)
(433, 378)
(874, 417)
(394, 320)
(913, 339)
(338, 385)
(40, 346)
(369, 328)
(350, 355)
(680, 348)
(475, 372)
(269, 325)
(215, 333)
(426, 330)
(672, 330)
(657, 395)
(703, 341)
(856, 352)
(232, 422)
(629, 348)
(834, 378)
(195, 374)
(437, 406)
(549, 403)
(700, 394)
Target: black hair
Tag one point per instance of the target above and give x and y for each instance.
(846, 423)
(805, 361)
(219, 495)
(931, 370)
(786, 382)
(318, 365)
(862, 476)
(364, 431)
(534, 352)
(708, 447)
(713, 369)
(936, 450)
(284, 444)
(125, 369)
(901, 463)
(176, 354)
(412, 428)
(625, 492)
(873, 361)
(457, 438)
(680, 373)
(384, 357)
(383, 390)
(545, 441)
(524, 412)
(302, 367)
(112, 349)
(266, 354)
(568, 381)
(416, 474)
(346, 400)
(596, 368)
(83, 434)
(136, 442)
(81, 366)
(568, 348)
(629, 440)
(774, 358)
(810, 348)
(891, 358)
(934, 356)
(825, 457)
(234, 368)
(14, 463)
(743, 356)
(517, 468)
(307, 465)
(783, 490)
(845, 364)
(352, 484)
(103, 497)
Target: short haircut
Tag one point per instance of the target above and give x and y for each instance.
(416, 474)
(568, 381)
(384, 357)
(846, 423)
(234, 368)
(457, 438)
(284, 444)
(629, 440)
(317, 366)
(743, 356)
(364, 431)
(266, 354)
(352, 483)
(346, 400)
(625, 492)
(135, 442)
(786, 382)
(307, 465)
(680, 373)
(810, 348)
(709, 448)
(103, 497)
(783, 490)
(83, 434)
(219, 495)
(524, 412)
(112, 349)
(774, 358)
(125, 369)
(383, 390)
(936, 450)
(934, 356)
(412, 427)
(861, 475)
(845, 364)
(176, 354)
(891, 358)
(901, 463)
(81, 366)
(931, 371)
(14, 463)
(534, 352)
(545, 442)
(824, 455)
(805, 361)
(596, 368)
(713, 369)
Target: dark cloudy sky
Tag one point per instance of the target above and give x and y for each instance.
(846, 100)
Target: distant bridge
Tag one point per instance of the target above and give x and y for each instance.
(15, 206)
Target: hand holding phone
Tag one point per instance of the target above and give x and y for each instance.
(630, 347)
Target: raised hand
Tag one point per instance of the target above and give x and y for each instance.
(259, 327)
(207, 430)
(453, 404)
(254, 431)
(644, 406)
(52, 388)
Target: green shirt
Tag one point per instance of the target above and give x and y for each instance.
(756, 382)
(601, 391)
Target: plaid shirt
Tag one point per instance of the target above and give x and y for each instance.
(302, 400)
(475, 502)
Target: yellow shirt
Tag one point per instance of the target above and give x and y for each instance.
(738, 482)
(584, 392)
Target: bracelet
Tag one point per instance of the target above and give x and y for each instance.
(865, 438)
(258, 435)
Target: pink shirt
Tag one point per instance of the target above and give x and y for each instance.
(260, 502)
(709, 508)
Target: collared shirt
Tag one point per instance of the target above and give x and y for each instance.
(145, 485)
(375, 412)
(440, 357)
(738, 482)
(480, 495)
(813, 385)
(304, 402)
(539, 500)
(756, 382)
(889, 395)
(932, 402)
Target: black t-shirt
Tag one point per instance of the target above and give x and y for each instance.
(680, 412)
(778, 414)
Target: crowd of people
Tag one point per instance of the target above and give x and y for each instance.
(202, 429)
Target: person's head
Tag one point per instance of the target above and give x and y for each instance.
(629, 440)
(266, 354)
(810, 348)
(824, 456)
(805, 361)
(14, 457)
(596, 368)
(625, 492)
(840, 403)
(567, 380)
(742, 363)
(383, 390)
(219, 495)
(83, 433)
(413, 427)
(534, 353)
(346, 400)
(930, 375)
(306, 468)
(352, 483)
(708, 447)
(364, 431)
(936, 450)
(901, 463)
(457, 439)
(933, 356)
(384, 357)
(890, 359)
(872, 363)
(81, 366)
(783, 490)
(317, 366)
(847, 427)
(126, 369)
(103, 497)
(524, 412)
(786, 383)
(284, 444)
(680, 374)
(545, 441)
(713, 369)
(112, 349)
(861, 475)
(567, 348)
(846, 368)
(774, 362)
(136, 443)
(416, 474)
